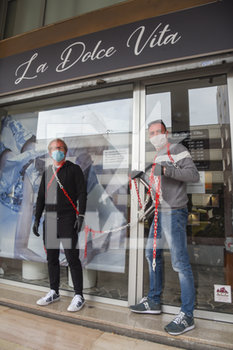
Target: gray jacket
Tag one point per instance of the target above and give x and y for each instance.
(177, 175)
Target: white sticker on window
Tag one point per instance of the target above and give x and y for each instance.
(222, 293)
(116, 158)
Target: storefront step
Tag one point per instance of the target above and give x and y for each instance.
(110, 318)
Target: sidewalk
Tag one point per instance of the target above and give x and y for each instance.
(39, 333)
(119, 320)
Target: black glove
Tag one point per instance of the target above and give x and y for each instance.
(35, 228)
(158, 170)
(78, 223)
(136, 174)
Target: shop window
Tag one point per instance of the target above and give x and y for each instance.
(97, 129)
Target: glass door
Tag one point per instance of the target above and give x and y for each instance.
(196, 114)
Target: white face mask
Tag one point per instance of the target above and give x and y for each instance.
(159, 141)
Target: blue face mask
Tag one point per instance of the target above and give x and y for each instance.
(58, 155)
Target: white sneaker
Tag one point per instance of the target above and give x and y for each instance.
(50, 297)
(76, 304)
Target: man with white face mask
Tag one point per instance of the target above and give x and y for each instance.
(62, 188)
(173, 168)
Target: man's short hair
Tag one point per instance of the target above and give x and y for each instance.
(158, 121)
(58, 140)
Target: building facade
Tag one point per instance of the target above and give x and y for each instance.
(96, 77)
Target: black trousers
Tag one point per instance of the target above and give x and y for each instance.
(72, 257)
(60, 230)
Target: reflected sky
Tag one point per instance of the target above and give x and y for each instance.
(115, 116)
(92, 119)
(202, 106)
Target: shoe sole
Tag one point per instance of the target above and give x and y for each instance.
(154, 312)
(77, 309)
(185, 330)
(50, 302)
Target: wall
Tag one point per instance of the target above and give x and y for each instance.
(116, 15)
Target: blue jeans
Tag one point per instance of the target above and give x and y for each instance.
(172, 229)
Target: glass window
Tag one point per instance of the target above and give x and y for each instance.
(97, 131)
(23, 16)
(206, 106)
(196, 113)
(57, 10)
(158, 107)
(26, 15)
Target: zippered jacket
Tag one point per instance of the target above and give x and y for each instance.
(177, 175)
(53, 199)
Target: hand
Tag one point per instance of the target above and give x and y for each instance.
(35, 228)
(159, 170)
(78, 223)
(136, 174)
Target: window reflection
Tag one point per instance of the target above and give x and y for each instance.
(98, 136)
(203, 106)
(199, 118)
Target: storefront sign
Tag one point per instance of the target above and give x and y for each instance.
(198, 31)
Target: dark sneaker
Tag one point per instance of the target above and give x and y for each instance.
(76, 304)
(181, 324)
(146, 306)
(50, 297)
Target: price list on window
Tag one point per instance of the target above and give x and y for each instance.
(198, 145)
(197, 142)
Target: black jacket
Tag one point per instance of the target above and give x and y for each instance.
(53, 199)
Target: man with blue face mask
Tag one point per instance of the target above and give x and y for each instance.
(173, 168)
(62, 189)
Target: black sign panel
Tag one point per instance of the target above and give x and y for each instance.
(197, 31)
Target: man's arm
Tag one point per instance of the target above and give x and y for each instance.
(81, 196)
(40, 202)
(80, 190)
(184, 169)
